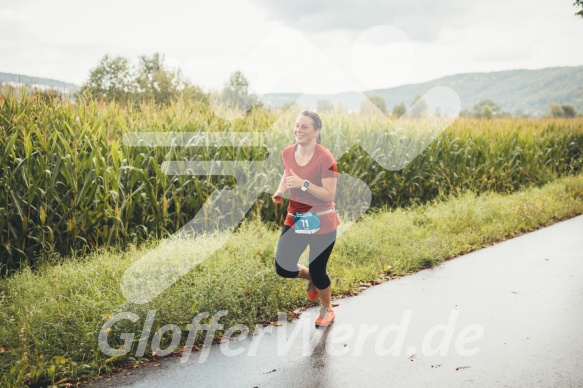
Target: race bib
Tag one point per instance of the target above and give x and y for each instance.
(306, 223)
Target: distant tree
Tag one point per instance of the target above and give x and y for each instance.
(379, 101)
(556, 110)
(418, 107)
(153, 82)
(324, 105)
(156, 82)
(488, 109)
(372, 103)
(114, 79)
(569, 111)
(111, 80)
(579, 3)
(487, 112)
(399, 110)
(194, 93)
(235, 92)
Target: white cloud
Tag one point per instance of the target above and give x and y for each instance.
(64, 39)
(421, 19)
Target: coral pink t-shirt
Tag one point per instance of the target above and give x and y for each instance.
(322, 165)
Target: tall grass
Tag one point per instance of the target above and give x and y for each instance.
(69, 184)
(51, 317)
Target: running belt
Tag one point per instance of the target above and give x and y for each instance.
(318, 213)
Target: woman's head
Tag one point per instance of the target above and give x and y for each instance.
(308, 124)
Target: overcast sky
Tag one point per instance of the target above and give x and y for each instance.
(323, 46)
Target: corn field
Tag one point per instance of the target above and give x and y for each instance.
(70, 184)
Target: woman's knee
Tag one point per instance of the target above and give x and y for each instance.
(284, 272)
(320, 279)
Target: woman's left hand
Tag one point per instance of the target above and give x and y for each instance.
(293, 181)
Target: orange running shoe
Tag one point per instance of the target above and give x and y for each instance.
(326, 316)
(312, 292)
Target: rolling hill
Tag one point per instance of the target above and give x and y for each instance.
(520, 92)
(39, 83)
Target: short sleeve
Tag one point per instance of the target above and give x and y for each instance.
(328, 166)
(283, 160)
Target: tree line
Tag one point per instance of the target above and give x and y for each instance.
(484, 109)
(116, 79)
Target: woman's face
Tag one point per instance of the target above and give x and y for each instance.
(304, 130)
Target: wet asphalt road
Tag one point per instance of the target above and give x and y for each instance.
(510, 315)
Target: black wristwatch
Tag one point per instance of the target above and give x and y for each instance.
(305, 185)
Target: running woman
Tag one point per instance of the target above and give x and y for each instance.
(310, 175)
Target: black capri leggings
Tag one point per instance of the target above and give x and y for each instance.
(290, 247)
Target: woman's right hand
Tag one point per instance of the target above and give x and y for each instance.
(277, 197)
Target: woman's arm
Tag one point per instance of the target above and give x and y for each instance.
(278, 196)
(326, 192)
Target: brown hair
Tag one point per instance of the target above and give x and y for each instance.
(316, 120)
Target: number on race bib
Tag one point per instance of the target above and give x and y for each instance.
(306, 223)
